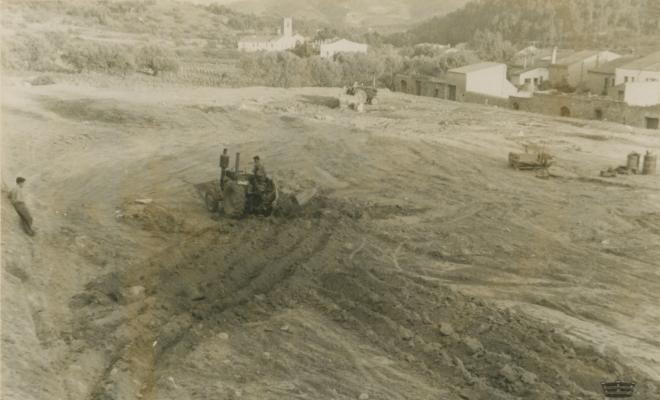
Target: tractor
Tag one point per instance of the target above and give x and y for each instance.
(236, 193)
(356, 96)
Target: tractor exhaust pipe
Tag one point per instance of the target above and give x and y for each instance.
(238, 160)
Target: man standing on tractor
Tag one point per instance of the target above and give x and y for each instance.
(259, 175)
(224, 164)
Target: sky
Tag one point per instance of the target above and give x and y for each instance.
(209, 1)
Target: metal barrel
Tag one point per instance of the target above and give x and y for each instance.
(238, 160)
(648, 167)
(633, 161)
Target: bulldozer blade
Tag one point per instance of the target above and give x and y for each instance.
(305, 196)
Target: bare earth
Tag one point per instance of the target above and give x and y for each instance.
(425, 268)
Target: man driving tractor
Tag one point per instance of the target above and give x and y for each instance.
(240, 193)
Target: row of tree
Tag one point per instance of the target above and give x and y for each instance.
(287, 69)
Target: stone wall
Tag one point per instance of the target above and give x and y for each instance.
(586, 108)
(428, 86)
(470, 97)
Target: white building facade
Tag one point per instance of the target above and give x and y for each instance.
(645, 69)
(328, 50)
(487, 78)
(642, 94)
(531, 76)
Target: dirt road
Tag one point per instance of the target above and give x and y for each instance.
(425, 268)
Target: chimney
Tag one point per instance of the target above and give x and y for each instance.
(288, 27)
(554, 56)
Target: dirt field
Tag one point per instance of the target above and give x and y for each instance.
(424, 269)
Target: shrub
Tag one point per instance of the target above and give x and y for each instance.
(157, 59)
(42, 80)
(218, 9)
(324, 72)
(358, 67)
(100, 57)
(28, 52)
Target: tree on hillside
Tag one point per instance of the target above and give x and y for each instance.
(157, 59)
(491, 46)
(292, 71)
(324, 72)
(305, 50)
(392, 62)
(359, 67)
(86, 55)
(571, 23)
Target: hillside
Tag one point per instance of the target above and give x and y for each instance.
(123, 37)
(569, 23)
(187, 43)
(371, 13)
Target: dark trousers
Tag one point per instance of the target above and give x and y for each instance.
(26, 218)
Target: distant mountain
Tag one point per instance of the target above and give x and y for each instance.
(578, 23)
(366, 13)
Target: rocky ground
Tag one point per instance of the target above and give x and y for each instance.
(425, 268)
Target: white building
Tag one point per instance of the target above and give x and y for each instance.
(529, 78)
(645, 69)
(642, 94)
(328, 50)
(486, 78)
(284, 40)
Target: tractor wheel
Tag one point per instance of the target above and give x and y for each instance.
(233, 199)
(211, 202)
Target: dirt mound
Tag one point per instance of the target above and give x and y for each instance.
(105, 111)
(42, 80)
(206, 109)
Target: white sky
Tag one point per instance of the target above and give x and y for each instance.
(209, 1)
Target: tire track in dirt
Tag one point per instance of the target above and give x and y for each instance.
(246, 259)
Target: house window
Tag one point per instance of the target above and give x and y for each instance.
(437, 92)
(651, 123)
(565, 112)
(625, 79)
(598, 114)
(527, 80)
(536, 81)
